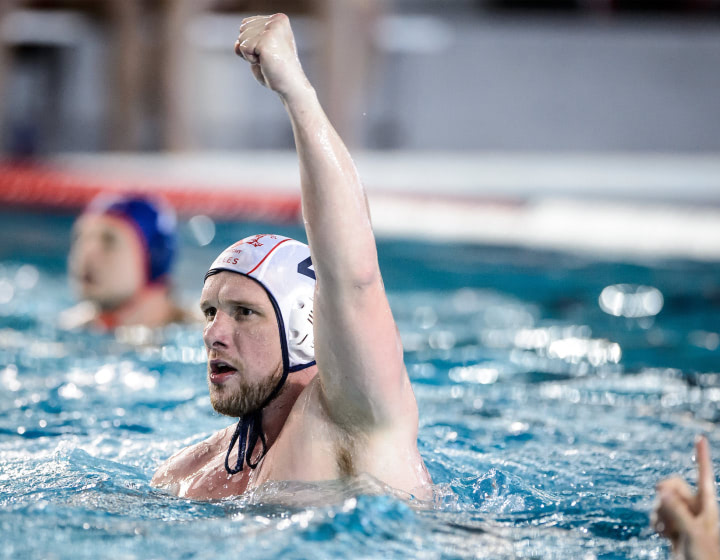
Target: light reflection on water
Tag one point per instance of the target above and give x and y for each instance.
(623, 300)
(545, 419)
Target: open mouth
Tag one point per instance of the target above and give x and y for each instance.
(220, 371)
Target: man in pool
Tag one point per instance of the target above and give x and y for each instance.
(328, 397)
(120, 259)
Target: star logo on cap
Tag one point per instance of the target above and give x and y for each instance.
(255, 241)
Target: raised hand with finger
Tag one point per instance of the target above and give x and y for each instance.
(690, 520)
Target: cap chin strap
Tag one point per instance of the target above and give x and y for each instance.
(249, 431)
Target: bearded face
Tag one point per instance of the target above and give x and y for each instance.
(242, 340)
(240, 396)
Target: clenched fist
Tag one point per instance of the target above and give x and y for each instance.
(267, 43)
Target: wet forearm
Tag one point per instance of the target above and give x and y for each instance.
(333, 199)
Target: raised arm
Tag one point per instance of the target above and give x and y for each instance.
(357, 345)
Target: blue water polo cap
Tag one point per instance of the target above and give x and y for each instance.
(153, 220)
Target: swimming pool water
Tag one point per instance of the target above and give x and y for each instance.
(554, 391)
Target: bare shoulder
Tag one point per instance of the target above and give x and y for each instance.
(79, 316)
(188, 460)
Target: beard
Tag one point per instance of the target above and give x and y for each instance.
(239, 397)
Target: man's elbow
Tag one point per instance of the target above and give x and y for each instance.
(362, 280)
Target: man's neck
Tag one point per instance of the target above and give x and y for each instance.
(276, 413)
(150, 307)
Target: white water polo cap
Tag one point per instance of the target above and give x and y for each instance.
(284, 268)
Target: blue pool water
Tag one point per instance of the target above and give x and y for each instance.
(554, 391)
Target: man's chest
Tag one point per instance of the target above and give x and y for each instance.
(286, 460)
(309, 448)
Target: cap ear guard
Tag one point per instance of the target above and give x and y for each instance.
(301, 338)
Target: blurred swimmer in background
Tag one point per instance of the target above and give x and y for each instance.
(690, 521)
(123, 248)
